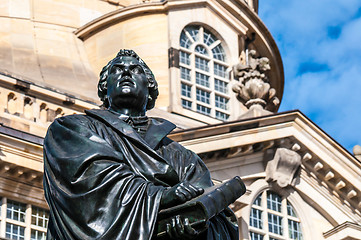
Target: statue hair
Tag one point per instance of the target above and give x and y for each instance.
(152, 83)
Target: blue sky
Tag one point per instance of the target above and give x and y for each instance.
(320, 44)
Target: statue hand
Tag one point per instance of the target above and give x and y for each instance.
(181, 229)
(179, 194)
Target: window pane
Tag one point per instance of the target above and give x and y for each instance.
(294, 229)
(208, 38)
(202, 79)
(193, 31)
(185, 41)
(200, 49)
(221, 102)
(37, 235)
(15, 211)
(258, 200)
(274, 201)
(202, 64)
(185, 73)
(39, 217)
(220, 70)
(203, 109)
(218, 53)
(186, 90)
(14, 231)
(275, 224)
(290, 210)
(203, 96)
(186, 104)
(256, 236)
(220, 86)
(256, 218)
(221, 116)
(184, 58)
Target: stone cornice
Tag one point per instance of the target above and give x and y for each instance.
(346, 230)
(322, 158)
(45, 93)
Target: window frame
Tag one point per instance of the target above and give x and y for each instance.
(27, 224)
(265, 211)
(215, 112)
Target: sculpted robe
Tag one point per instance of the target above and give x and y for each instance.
(103, 181)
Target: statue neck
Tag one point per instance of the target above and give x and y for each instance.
(128, 112)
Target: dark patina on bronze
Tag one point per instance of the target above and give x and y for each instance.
(108, 173)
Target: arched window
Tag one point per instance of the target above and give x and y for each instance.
(203, 72)
(272, 218)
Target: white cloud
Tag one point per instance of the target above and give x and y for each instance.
(320, 46)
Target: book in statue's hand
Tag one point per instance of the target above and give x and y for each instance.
(202, 208)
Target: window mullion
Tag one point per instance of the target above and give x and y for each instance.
(215, 44)
(189, 36)
(265, 214)
(3, 218)
(28, 221)
(285, 219)
(193, 80)
(201, 34)
(211, 86)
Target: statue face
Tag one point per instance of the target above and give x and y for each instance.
(127, 85)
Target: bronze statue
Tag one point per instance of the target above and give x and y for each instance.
(108, 173)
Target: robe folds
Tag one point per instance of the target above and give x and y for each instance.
(103, 181)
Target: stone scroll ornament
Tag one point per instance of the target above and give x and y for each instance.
(283, 167)
(253, 89)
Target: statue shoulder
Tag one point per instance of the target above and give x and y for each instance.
(74, 122)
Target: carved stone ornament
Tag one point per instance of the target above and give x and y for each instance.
(253, 88)
(283, 167)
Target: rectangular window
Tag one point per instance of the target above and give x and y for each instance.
(185, 73)
(274, 201)
(186, 104)
(294, 229)
(15, 211)
(202, 64)
(220, 86)
(203, 96)
(256, 218)
(256, 236)
(37, 235)
(203, 109)
(275, 224)
(14, 232)
(186, 90)
(220, 70)
(39, 217)
(221, 102)
(184, 58)
(202, 79)
(221, 116)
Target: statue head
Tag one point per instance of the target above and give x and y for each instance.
(112, 70)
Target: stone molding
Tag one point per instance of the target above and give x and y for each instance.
(334, 170)
(344, 231)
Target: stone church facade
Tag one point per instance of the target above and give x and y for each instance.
(221, 80)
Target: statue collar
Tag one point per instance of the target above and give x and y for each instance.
(158, 128)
